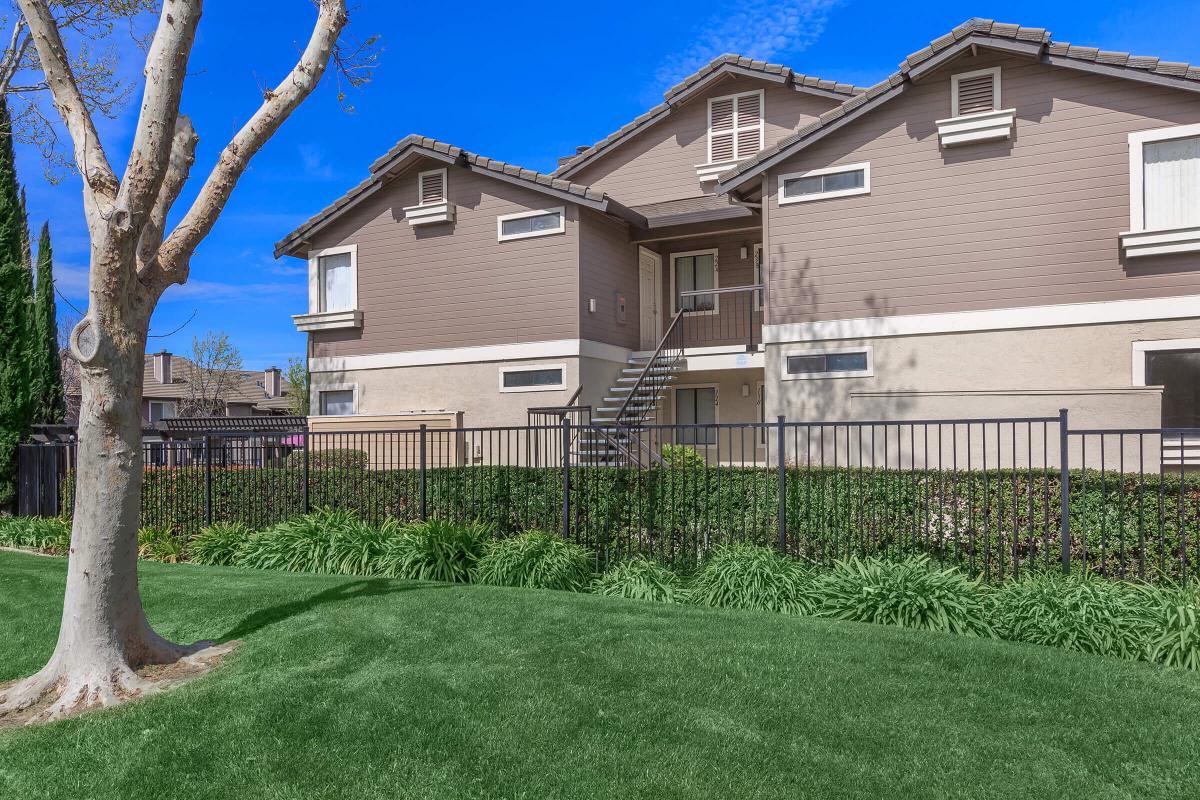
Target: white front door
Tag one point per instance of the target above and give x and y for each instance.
(649, 297)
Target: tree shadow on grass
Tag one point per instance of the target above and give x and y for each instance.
(347, 591)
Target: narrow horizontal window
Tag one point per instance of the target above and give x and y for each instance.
(825, 183)
(533, 223)
(830, 364)
(337, 403)
(532, 379)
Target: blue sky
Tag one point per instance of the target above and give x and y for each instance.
(524, 83)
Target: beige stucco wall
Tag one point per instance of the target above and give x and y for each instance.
(1087, 369)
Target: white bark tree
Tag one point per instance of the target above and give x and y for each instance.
(105, 637)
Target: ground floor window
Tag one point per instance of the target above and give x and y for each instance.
(696, 406)
(1178, 372)
(828, 364)
(533, 379)
(337, 403)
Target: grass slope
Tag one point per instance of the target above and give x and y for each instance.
(347, 687)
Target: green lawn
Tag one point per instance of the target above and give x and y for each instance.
(352, 688)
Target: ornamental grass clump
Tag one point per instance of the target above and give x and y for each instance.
(219, 545)
(754, 577)
(913, 593)
(1173, 615)
(325, 542)
(641, 578)
(1086, 614)
(47, 534)
(435, 551)
(535, 560)
(161, 544)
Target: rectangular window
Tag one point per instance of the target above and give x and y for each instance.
(530, 223)
(823, 184)
(692, 272)
(974, 92)
(1171, 183)
(431, 187)
(533, 379)
(696, 406)
(337, 403)
(336, 282)
(161, 410)
(735, 127)
(1178, 372)
(828, 364)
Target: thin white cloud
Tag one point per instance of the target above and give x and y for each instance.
(71, 279)
(312, 158)
(762, 29)
(247, 293)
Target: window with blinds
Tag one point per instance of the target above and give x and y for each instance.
(973, 92)
(735, 127)
(431, 187)
(1171, 183)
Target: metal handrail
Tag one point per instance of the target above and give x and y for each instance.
(757, 287)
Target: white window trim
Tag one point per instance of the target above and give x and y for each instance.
(1140, 349)
(166, 404)
(314, 278)
(500, 220)
(762, 126)
(954, 81)
(421, 185)
(716, 280)
(1137, 196)
(857, 373)
(558, 387)
(865, 166)
(716, 387)
(335, 387)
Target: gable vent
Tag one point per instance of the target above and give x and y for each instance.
(432, 187)
(735, 127)
(976, 93)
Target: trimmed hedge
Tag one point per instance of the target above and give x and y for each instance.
(989, 524)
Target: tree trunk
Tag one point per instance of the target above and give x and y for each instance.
(104, 637)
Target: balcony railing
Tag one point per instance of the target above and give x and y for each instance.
(716, 317)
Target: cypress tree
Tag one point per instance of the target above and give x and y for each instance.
(16, 311)
(50, 404)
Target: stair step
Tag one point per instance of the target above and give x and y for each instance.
(637, 398)
(633, 378)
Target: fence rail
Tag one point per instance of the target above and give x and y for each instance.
(996, 497)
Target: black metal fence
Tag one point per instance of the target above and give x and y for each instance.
(996, 497)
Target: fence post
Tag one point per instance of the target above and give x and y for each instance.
(208, 481)
(1064, 489)
(782, 466)
(304, 487)
(423, 485)
(566, 478)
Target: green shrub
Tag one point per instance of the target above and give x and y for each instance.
(435, 551)
(1087, 614)
(328, 542)
(680, 456)
(535, 560)
(329, 459)
(640, 578)
(913, 593)
(161, 544)
(47, 534)
(1173, 613)
(219, 545)
(753, 577)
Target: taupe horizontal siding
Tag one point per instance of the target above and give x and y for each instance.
(1029, 222)
(660, 164)
(453, 284)
(608, 266)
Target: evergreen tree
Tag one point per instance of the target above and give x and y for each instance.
(50, 403)
(16, 311)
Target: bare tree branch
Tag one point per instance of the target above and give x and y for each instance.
(183, 155)
(166, 68)
(98, 175)
(277, 106)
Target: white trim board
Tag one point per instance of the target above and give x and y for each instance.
(517, 351)
(1137, 141)
(998, 319)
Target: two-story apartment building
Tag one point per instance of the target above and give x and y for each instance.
(1006, 226)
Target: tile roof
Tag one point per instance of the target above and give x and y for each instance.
(1038, 37)
(725, 62)
(424, 144)
(247, 388)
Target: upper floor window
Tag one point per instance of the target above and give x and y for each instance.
(161, 409)
(973, 92)
(1166, 164)
(822, 184)
(336, 280)
(431, 187)
(526, 224)
(735, 126)
(692, 273)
